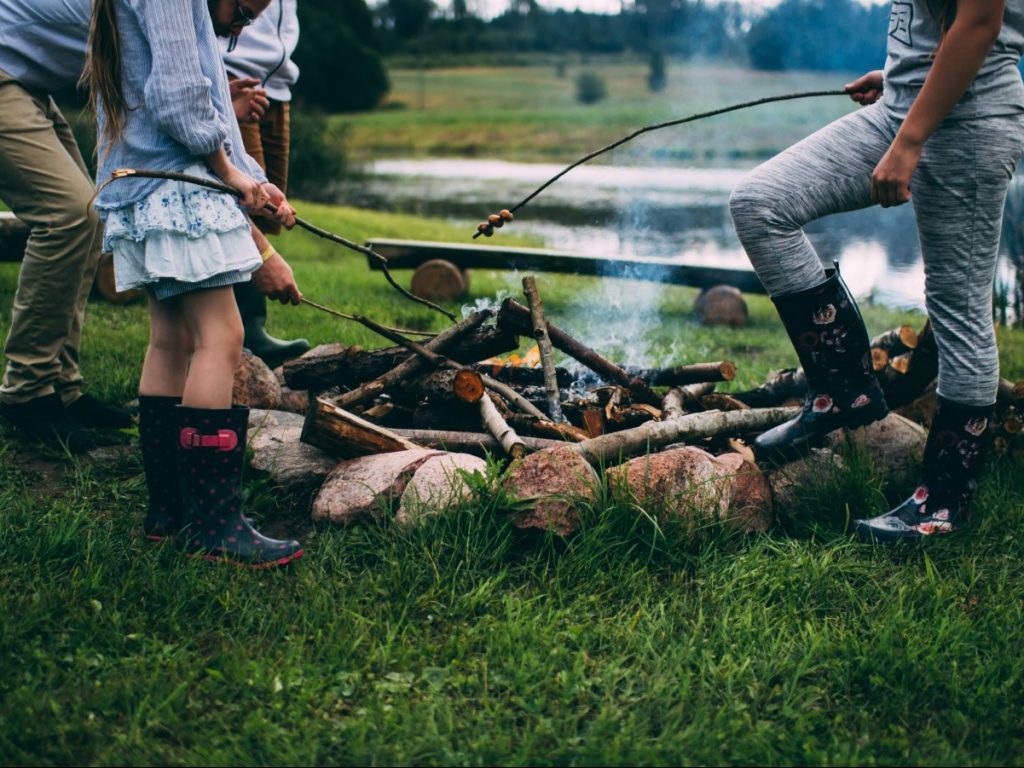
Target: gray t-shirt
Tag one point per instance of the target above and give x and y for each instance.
(913, 39)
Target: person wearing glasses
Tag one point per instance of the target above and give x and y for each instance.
(261, 70)
(44, 181)
(158, 84)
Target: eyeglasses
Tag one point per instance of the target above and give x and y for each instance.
(243, 16)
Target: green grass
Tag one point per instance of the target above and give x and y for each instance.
(467, 642)
(529, 113)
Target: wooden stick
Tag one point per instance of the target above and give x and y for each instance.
(540, 333)
(546, 428)
(515, 316)
(694, 373)
(896, 341)
(510, 442)
(373, 388)
(609, 448)
(476, 443)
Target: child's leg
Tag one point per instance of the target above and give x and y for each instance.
(216, 327)
(170, 347)
(828, 172)
(959, 191)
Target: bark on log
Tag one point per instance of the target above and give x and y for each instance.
(607, 449)
(510, 442)
(515, 317)
(896, 341)
(446, 385)
(477, 443)
(546, 428)
(349, 367)
(344, 434)
(693, 373)
(922, 368)
(540, 333)
(719, 401)
(522, 376)
(787, 384)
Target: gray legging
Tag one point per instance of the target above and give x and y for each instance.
(958, 192)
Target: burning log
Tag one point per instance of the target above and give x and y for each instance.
(335, 365)
(540, 333)
(510, 442)
(344, 434)
(514, 316)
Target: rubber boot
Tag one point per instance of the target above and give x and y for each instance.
(828, 334)
(158, 439)
(211, 452)
(953, 458)
(252, 305)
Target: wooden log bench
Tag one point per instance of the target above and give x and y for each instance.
(446, 263)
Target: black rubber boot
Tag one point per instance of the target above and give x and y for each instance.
(158, 439)
(92, 413)
(953, 459)
(211, 445)
(828, 334)
(45, 419)
(252, 305)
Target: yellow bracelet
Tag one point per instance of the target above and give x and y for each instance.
(267, 254)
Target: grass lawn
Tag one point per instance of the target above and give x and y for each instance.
(466, 641)
(530, 113)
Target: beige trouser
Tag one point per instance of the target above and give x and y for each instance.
(44, 181)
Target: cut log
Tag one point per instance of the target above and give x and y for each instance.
(544, 428)
(540, 333)
(444, 386)
(896, 341)
(513, 316)
(693, 373)
(510, 442)
(344, 434)
(721, 305)
(439, 280)
(780, 387)
(608, 449)
(921, 369)
(879, 358)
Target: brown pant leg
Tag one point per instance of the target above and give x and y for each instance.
(267, 143)
(43, 180)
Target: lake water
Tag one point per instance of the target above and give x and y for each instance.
(678, 213)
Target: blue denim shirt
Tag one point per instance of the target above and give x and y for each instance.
(42, 42)
(176, 89)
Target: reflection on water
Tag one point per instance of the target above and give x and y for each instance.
(646, 212)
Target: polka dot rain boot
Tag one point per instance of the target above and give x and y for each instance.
(211, 453)
(828, 334)
(158, 439)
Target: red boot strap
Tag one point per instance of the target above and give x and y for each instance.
(224, 440)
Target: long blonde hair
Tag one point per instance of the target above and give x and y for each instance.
(102, 73)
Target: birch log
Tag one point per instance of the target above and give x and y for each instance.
(540, 333)
(510, 442)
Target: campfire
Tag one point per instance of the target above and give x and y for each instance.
(392, 426)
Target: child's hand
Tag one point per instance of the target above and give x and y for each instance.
(285, 214)
(248, 102)
(276, 281)
(867, 88)
(251, 192)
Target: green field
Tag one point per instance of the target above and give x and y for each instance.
(531, 114)
(466, 642)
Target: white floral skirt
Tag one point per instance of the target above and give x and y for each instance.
(180, 238)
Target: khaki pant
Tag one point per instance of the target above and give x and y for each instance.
(44, 181)
(266, 142)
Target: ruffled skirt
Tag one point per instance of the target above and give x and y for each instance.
(180, 238)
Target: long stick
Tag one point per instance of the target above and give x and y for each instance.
(497, 426)
(540, 333)
(659, 126)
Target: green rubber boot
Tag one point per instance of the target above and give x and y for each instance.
(252, 305)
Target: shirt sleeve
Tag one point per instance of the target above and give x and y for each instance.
(177, 93)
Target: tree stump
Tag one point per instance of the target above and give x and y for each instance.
(439, 280)
(722, 305)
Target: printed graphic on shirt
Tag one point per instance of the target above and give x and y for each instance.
(900, 19)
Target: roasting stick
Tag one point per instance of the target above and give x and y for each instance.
(497, 220)
(124, 173)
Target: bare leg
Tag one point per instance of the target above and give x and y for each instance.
(170, 347)
(216, 328)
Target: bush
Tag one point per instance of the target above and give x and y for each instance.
(317, 158)
(590, 88)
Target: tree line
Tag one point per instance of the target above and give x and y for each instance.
(345, 43)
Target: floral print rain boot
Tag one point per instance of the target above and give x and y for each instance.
(158, 439)
(211, 453)
(953, 458)
(828, 334)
